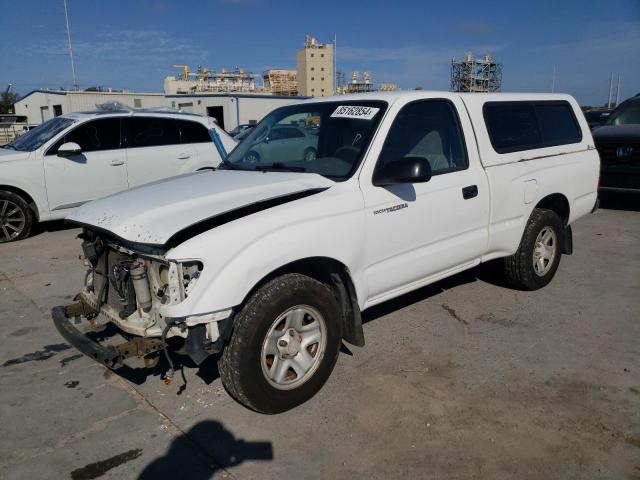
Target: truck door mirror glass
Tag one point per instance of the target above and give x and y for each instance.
(405, 170)
(68, 149)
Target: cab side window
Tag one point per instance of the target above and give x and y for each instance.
(429, 129)
(92, 136)
(193, 132)
(151, 132)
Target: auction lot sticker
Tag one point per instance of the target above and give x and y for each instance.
(355, 111)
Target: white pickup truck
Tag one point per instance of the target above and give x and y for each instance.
(269, 261)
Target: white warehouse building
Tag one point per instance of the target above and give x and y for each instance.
(41, 105)
(229, 109)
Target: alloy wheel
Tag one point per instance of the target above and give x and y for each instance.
(12, 220)
(544, 251)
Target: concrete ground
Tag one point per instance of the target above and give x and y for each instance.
(462, 379)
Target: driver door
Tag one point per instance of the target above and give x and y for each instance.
(418, 232)
(99, 170)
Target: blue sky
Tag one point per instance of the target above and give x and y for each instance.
(133, 44)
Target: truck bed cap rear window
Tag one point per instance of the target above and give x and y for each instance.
(528, 125)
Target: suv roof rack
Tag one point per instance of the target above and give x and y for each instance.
(118, 107)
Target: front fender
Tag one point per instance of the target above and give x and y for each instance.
(27, 176)
(238, 255)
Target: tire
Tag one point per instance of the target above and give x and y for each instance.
(310, 154)
(534, 265)
(16, 217)
(251, 157)
(244, 365)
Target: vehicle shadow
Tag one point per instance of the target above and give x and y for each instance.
(490, 272)
(54, 226)
(203, 450)
(135, 372)
(620, 201)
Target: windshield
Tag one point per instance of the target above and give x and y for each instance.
(627, 113)
(36, 137)
(328, 138)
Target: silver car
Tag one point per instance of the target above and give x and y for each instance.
(287, 141)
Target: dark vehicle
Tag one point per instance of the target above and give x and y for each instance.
(618, 143)
(596, 118)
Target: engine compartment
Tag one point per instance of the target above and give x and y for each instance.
(130, 287)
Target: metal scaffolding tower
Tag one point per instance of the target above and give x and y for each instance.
(476, 75)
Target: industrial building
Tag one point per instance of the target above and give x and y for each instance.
(361, 85)
(281, 82)
(204, 80)
(314, 64)
(357, 84)
(229, 109)
(476, 75)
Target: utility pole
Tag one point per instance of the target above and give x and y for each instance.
(618, 92)
(335, 64)
(73, 65)
(610, 90)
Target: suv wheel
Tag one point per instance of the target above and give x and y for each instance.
(16, 217)
(284, 345)
(535, 262)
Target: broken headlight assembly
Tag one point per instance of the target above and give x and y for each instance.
(174, 281)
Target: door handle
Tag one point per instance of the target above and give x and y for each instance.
(117, 163)
(470, 192)
(184, 156)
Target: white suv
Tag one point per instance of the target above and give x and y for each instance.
(72, 159)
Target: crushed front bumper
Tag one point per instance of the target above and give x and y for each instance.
(108, 355)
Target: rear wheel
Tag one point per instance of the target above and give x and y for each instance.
(535, 262)
(310, 154)
(16, 217)
(284, 345)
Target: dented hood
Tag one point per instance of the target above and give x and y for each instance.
(154, 213)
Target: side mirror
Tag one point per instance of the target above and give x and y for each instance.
(405, 170)
(68, 149)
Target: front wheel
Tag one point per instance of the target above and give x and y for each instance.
(16, 217)
(284, 345)
(251, 157)
(535, 262)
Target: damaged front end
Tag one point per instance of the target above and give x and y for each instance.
(129, 286)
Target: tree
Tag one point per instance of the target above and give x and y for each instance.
(7, 99)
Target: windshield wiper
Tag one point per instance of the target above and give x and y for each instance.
(280, 166)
